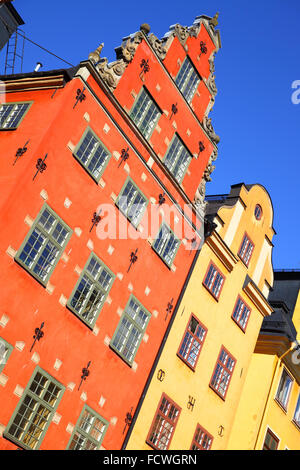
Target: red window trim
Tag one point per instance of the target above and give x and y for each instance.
(216, 297)
(231, 372)
(185, 331)
(195, 433)
(274, 437)
(234, 319)
(239, 252)
(153, 421)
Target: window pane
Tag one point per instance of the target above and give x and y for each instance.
(166, 244)
(89, 431)
(92, 154)
(145, 113)
(130, 329)
(177, 159)
(44, 244)
(11, 114)
(187, 79)
(34, 411)
(164, 424)
(131, 202)
(90, 293)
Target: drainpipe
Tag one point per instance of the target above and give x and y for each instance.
(279, 360)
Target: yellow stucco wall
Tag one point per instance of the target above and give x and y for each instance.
(180, 382)
(259, 410)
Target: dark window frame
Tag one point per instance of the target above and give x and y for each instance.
(215, 387)
(188, 332)
(195, 445)
(159, 413)
(41, 402)
(160, 250)
(134, 324)
(245, 258)
(29, 103)
(138, 123)
(94, 282)
(188, 93)
(48, 238)
(86, 435)
(8, 350)
(281, 384)
(130, 180)
(238, 320)
(273, 437)
(101, 145)
(209, 287)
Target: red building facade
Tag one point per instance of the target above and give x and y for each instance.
(103, 173)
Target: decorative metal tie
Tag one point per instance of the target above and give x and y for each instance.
(128, 419)
(40, 165)
(201, 147)
(20, 152)
(169, 308)
(203, 48)
(144, 66)
(133, 258)
(85, 373)
(124, 156)
(80, 96)
(161, 199)
(96, 219)
(174, 110)
(38, 335)
(193, 244)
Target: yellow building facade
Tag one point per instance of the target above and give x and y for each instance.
(193, 392)
(268, 415)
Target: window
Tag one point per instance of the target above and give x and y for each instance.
(5, 350)
(164, 423)
(241, 313)
(89, 431)
(145, 113)
(92, 154)
(166, 244)
(222, 373)
(130, 330)
(258, 212)
(177, 159)
(214, 281)
(44, 244)
(246, 250)
(296, 417)
(91, 290)
(192, 342)
(284, 388)
(35, 410)
(202, 440)
(131, 202)
(11, 114)
(271, 441)
(187, 80)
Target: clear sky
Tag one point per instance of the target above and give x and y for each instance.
(253, 113)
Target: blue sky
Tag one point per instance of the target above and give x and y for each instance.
(253, 113)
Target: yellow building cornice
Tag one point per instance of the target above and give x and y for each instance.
(222, 251)
(257, 298)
